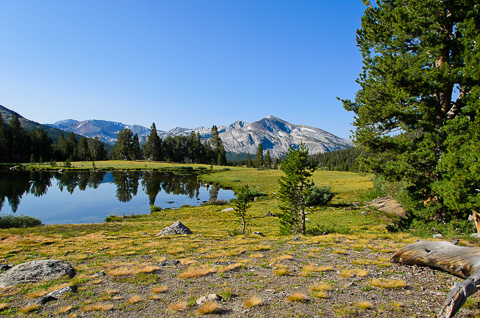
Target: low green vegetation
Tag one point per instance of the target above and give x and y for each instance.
(18, 221)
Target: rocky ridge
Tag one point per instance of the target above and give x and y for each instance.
(275, 135)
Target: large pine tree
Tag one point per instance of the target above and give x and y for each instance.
(152, 148)
(418, 103)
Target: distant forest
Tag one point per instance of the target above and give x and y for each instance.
(18, 145)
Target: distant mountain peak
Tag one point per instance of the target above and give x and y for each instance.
(275, 134)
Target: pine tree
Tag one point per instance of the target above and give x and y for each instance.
(294, 188)
(418, 100)
(82, 150)
(18, 145)
(96, 149)
(122, 150)
(152, 148)
(242, 203)
(3, 143)
(258, 162)
(219, 153)
(41, 144)
(268, 160)
(249, 161)
(136, 151)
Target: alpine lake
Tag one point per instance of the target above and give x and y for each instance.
(73, 197)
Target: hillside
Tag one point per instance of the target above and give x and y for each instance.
(29, 125)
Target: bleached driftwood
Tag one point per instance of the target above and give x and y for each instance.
(460, 261)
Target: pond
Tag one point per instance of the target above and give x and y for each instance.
(89, 197)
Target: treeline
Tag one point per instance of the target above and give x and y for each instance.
(172, 149)
(16, 145)
(340, 160)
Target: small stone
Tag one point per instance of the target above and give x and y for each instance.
(437, 235)
(258, 233)
(228, 209)
(210, 297)
(475, 235)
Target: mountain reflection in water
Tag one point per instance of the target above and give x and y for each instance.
(91, 194)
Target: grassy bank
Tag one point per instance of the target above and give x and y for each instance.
(122, 272)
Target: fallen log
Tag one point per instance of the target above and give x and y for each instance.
(460, 261)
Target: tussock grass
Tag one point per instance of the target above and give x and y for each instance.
(388, 283)
(209, 307)
(98, 307)
(252, 301)
(64, 309)
(353, 272)
(160, 289)
(297, 297)
(365, 305)
(230, 267)
(319, 290)
(282, 271)
(134, 299)
(196, 272)
(180, 306)
(315, 268)
(29, 309)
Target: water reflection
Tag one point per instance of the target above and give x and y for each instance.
(15, 184)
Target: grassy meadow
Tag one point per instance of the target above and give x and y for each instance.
(121, 265)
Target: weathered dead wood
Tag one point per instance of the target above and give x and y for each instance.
(460, 261)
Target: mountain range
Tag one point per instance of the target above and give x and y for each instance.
(275, 135)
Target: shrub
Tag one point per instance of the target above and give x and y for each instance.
(18, 221)
(319, 196)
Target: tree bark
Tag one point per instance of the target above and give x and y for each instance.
(460, 261)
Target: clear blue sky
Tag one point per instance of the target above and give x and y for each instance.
(185, 63)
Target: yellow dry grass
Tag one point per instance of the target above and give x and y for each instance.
(134, 299)
(296, 297)
(64, 310)
(180, 306)
(388, 283)
(29, 309)
(196, 272)
(281, 271)
(98, 307)
(209, 307)
(160, 289)
(252, 301)
(353, 272)
(3, 306)
(365, 305)
(315, 268)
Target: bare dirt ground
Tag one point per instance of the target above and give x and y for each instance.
(331, 276)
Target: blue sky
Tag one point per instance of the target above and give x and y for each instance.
(181, 63)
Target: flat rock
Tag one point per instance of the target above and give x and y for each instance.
(35, 271)
(177, 228)
(228, 210)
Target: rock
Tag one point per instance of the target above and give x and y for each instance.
(177, 228)
(211, 297)
(475, 235)
(437, 235)
(35, 271)
(5, 267)
(258, 233)
(228, 210)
